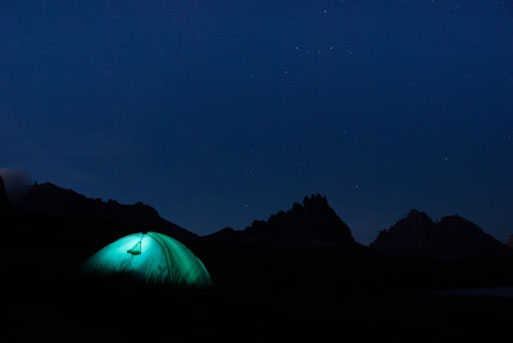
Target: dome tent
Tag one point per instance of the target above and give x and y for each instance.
(152, 257)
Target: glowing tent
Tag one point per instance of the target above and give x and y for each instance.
(152, 257)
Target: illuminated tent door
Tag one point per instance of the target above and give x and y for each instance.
(152, 257)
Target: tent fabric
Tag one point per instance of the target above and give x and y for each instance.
(152, 257)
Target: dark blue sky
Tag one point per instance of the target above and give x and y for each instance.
(221, 112)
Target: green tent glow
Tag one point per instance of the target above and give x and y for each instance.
(152, 257)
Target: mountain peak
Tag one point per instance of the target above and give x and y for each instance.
(315, 200)
(50, 199)
(452, 237)
(418, 216)
(311, 224)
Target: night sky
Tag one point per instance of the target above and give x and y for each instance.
(221, 112)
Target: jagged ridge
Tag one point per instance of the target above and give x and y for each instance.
(50, 199)
(452, 237)
(311, 224)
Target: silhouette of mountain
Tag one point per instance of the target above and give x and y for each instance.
(227, 236)
(453, 237)
(49, 199)
(309, 225)
(510, 242)
(268, 279)
(4, 200)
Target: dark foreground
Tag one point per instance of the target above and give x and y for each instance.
(259, 294)
(261, 318)
(120, 310)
